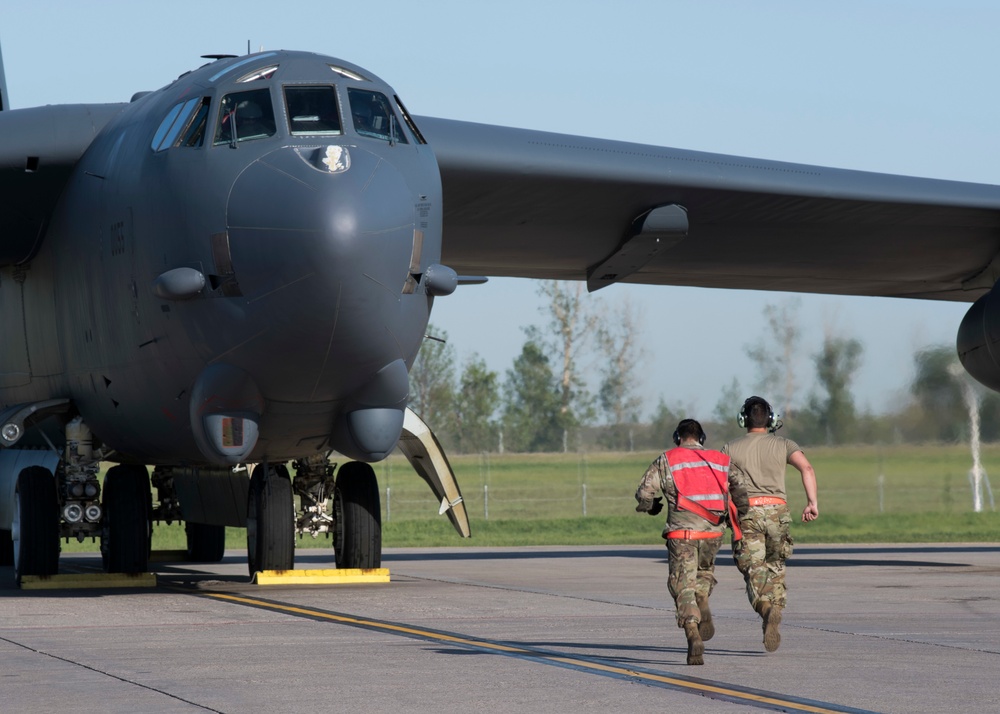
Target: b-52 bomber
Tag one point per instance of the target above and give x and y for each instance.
(220, 287)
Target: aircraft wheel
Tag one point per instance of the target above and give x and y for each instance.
(35, 527)
(6, 548)
(270, 519)
(125, 532)
(357, 539)
(205, 543)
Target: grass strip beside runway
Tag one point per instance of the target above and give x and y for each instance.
(868, 494)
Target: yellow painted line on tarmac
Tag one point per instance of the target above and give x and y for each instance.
(78, 581)
(331, 576)
(768, 700)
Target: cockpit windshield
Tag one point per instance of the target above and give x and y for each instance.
(373, 116)
(312, 110)
(244, 116)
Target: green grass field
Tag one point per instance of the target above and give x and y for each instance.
(924, 495)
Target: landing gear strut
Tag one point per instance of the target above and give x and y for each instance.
(314, 484)
(355, 519)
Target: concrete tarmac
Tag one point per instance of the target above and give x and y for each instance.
(543, 629)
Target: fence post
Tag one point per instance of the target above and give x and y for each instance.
(584, 500)
(388, 503)
(486, 501)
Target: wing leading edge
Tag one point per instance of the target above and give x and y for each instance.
(533, 204)
(38, 149)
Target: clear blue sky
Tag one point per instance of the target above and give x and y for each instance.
(894, 86)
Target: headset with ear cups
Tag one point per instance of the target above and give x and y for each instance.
(683, 423)
(744, 414)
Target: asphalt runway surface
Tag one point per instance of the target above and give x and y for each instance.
(542, 629)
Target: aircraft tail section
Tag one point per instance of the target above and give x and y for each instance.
(4, 102)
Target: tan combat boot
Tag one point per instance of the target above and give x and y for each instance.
(771, 615)
(696, 648)
(705, 628)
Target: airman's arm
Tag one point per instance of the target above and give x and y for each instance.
(738, 490)
(649, 485)
(799, 461)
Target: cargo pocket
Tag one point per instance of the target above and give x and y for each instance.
(786, 547)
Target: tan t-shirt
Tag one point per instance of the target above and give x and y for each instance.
(761, 457)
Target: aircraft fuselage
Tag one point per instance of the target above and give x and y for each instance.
(233, 274)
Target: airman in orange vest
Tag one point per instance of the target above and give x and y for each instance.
(702, 496)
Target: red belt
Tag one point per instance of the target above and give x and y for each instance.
(694, 535)
(767, 501)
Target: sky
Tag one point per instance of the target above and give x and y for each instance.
(896, 86)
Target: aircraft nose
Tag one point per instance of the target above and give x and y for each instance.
(335, 211)
(321, 241)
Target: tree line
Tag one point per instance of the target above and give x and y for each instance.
(542, 403)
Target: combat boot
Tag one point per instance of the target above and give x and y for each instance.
(696, 648)
(772, 619)
(705, 628)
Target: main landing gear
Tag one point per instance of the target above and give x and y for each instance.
(270, 525)
(35, 526)
(127, 528)
(58, 496)
(357, 540)
(355, 519)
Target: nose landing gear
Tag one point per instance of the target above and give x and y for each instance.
(270, 525)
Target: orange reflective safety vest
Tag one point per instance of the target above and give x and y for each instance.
(702, 482)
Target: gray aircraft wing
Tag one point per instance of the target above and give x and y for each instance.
(541, 205)
(38, 149)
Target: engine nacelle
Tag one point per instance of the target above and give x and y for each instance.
(978, 341)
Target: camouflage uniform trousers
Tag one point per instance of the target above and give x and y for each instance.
(762, 553)
(692, 574)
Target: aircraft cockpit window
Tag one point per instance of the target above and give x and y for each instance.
(264, 73)
(194, 133)
(244, 116)
(175, 120)
(347, 73)
(409, 121)
(312, 110)
(373, 116)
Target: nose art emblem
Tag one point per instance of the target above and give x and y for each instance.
(336, 159)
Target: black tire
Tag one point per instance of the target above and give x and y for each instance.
(270, 519)
(205, 543)
(126, 527)
(357, 539)
(35, 530)
(6, 548)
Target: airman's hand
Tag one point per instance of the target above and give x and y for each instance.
(810, 513)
